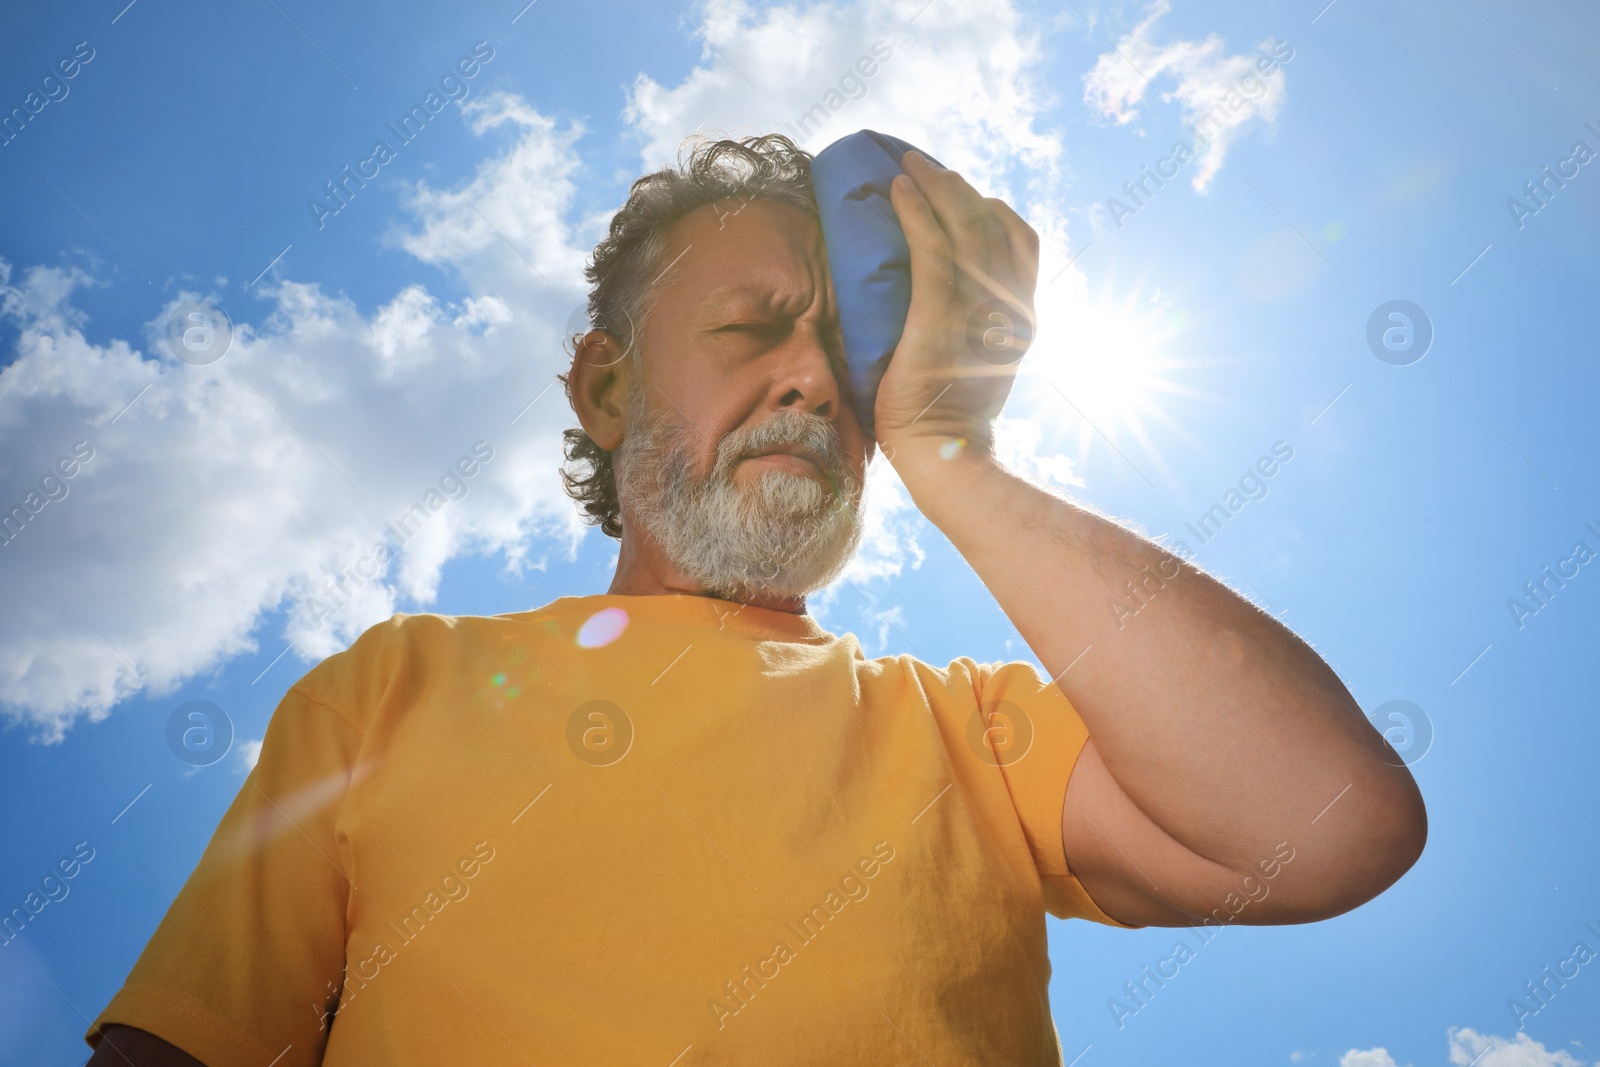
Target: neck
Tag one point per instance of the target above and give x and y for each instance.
(643, 570)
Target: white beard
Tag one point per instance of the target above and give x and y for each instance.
(780, 535)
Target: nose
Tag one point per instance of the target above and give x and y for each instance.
(806, 377)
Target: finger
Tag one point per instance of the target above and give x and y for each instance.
(1024, 247)
(975, 234)
(979, 249)
(979, 211)
(931, 269)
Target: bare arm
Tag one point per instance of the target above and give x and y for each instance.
(1217, 734)
(1219, 738)
(122, 1046)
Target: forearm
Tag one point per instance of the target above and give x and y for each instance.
(1225, 728)
(123, 1045)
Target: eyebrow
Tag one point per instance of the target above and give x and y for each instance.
(727, 294)
(725, 299)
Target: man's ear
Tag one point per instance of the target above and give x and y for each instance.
(599, 383)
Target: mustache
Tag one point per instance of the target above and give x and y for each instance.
(658, 447)
(799, 429)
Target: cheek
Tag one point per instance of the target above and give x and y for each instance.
(716, 428)
(694, 417)
(858, 447)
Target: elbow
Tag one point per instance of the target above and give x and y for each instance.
(1387, 842)
(1363, 854)
(1405, 832)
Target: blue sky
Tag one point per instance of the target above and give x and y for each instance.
(1177, 348)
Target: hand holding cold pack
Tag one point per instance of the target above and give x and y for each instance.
(867, 254)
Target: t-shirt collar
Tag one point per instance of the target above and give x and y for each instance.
(687, 609)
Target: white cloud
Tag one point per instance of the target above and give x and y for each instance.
(1468, 1047)
(256, 484)
(1018, 445)
(1374, 1057)
(508, 230)
(249, 753)
(889, 540)
(232, 490)
(962, 81)
(1209, 82)
(887, 619)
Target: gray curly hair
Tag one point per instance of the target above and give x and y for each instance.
(623, 273)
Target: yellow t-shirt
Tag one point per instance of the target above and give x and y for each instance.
(629, 829)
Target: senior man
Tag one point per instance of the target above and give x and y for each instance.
(682, 823)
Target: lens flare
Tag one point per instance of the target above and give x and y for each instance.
(602, 628)
(1115, 369)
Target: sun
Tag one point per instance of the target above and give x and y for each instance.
(1109, 369)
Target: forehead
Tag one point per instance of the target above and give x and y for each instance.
(734, 251)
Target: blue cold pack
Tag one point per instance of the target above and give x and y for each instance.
(867, 253)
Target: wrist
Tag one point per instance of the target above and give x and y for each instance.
(936, 468)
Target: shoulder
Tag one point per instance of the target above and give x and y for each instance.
(383, 663)
(960, 673)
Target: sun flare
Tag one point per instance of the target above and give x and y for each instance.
(1110, 371)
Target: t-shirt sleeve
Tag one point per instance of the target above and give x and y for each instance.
(1037, 736)
(254, 945)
